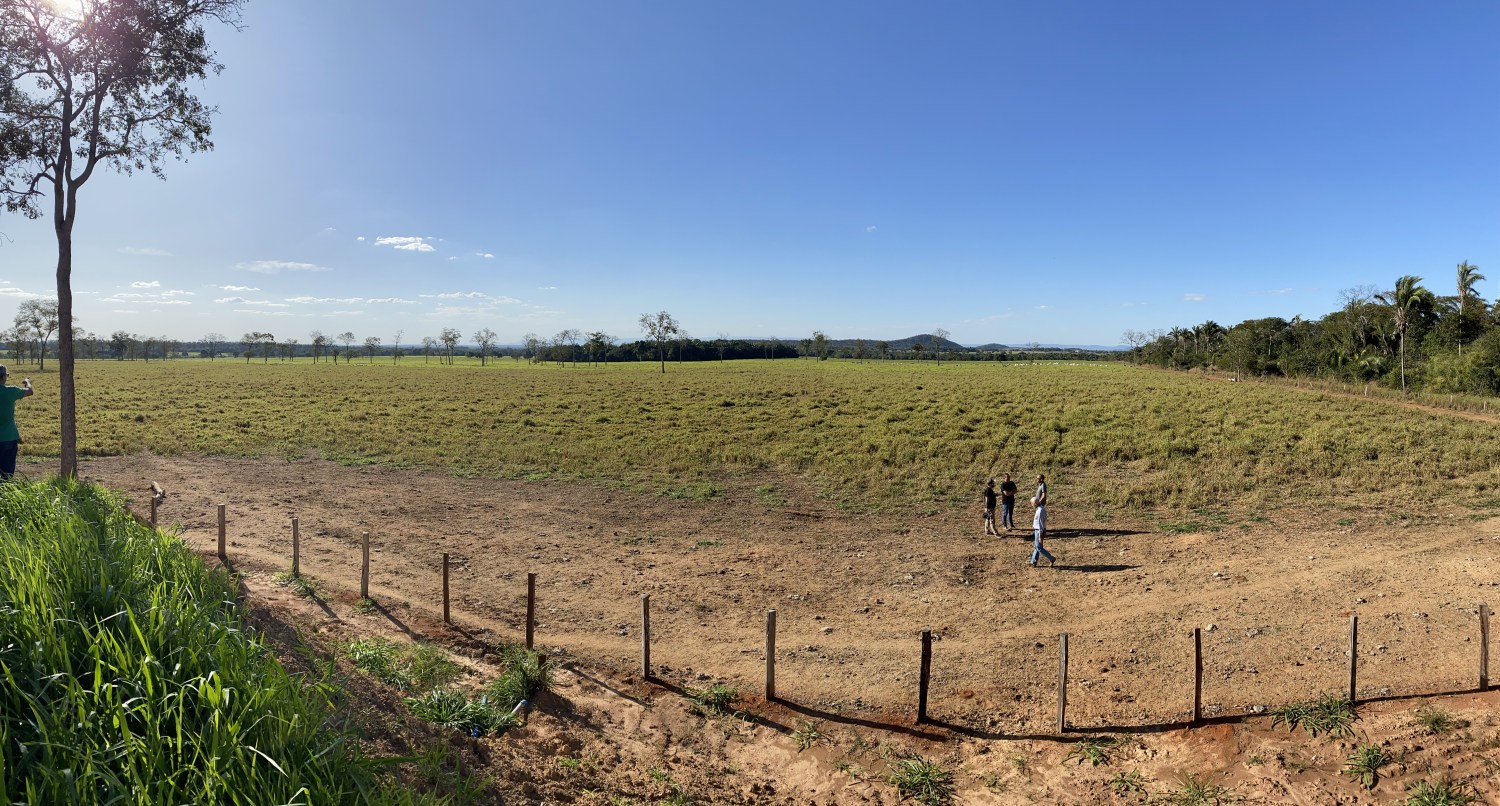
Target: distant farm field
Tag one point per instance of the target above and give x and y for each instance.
(877, 435)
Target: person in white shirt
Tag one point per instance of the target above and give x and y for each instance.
(1039, 523)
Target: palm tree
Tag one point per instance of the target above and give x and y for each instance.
(1409, 300)
(1467, 276)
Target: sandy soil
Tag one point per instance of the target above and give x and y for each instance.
(852, 592)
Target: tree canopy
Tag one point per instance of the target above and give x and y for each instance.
(97, 83)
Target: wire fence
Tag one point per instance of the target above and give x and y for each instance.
(1038, 683)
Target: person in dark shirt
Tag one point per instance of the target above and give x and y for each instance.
(989, 508)
(1007, 503)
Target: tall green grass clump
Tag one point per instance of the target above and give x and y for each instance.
(127, 676)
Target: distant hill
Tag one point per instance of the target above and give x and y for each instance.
(925, 339)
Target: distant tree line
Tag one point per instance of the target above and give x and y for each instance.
(1408, 338)
(36, 323)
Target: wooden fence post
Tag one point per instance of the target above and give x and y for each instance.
(1484, 647)
(364, 566)
(1197, 675)
(222, 556)
(1353, 656)
(645, 636)
(926, 675)
(770, 655)
(296, 548)
(1062, 683)
(446, 618)
(530, 609)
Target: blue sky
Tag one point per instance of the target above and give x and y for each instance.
(1050, 171)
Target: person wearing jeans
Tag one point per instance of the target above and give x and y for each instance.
(1008, 503)
(10, 436)
(1039, 523)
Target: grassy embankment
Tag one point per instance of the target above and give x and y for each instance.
(128, 675)
(880, 435)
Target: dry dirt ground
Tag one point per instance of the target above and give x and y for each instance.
(1273, 597)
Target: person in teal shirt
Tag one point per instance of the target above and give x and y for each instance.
(10, 436)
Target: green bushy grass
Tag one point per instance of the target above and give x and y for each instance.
(127, 675)
(883, 435)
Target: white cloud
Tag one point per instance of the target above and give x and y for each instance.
(359, 237)
(257, 302)
(485, 255)
(17, 292)
(546, 288)
(176, 293)
(1134, 304)
(329, 229)
(263, 313)
(346, 313)
(871, 228)
(174, 302)
(351, 301)
(140, 284)
(1194, 297)
(235, 288)
(276, 266)
(457, 295)
(149, 251)
(123, 310)
(406, 243)
(325, 300)
(452, 258)
(1279, 292)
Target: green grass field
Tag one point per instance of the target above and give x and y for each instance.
(888, 436)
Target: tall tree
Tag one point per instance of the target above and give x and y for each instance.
(212, 342)
(396, 348)
(319, 341)
(485, 338)
(91, 83)
(599, 344)
(938, 335)
(347, 339)
(372, 343)
(450, 337)
(1409, 301)
(569, 337)
(1468, 275)
(660, 327)
(428, 345)
(820, 345)
(40, 316)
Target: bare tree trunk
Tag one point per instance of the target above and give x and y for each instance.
(68, 410)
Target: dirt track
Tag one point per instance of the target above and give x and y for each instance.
(852, 592)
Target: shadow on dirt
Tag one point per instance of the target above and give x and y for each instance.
(1065, 534)
(1095, 569)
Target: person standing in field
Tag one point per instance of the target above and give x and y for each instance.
(10, 436)
(1008, 503)
(1039, 523)
(989, 508)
